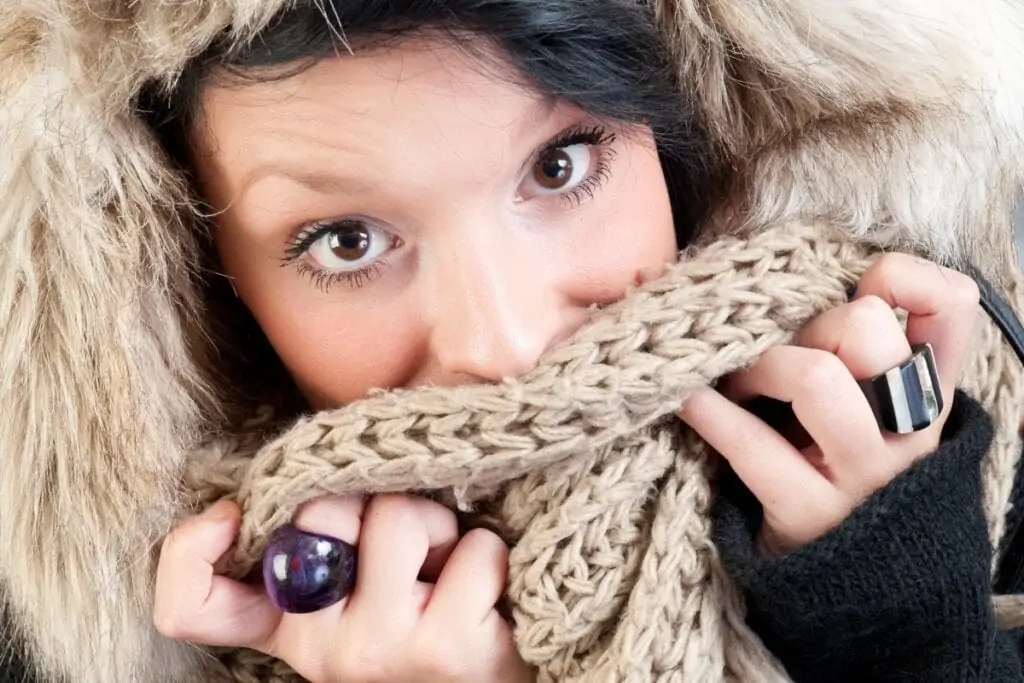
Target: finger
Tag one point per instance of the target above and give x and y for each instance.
(865, 334)
(868, 337)
(942, 307)
(319, 640)
(342, 519)
(472, 581)
(337, 641)
(192, 603)
(397, 536)
(830, 406)
(339, 517)
(768, 464)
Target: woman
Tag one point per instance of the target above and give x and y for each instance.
(471, 180)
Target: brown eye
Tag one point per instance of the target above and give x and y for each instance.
(349, 243)
(553, 170)
(558, 170)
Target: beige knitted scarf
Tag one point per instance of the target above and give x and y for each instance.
(582, 465)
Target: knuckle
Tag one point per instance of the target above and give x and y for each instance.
(169, 622)
(891, 266)
(439, 515)
(803, 519)
(435, 657)
(877, 478)
(868, 313)
(168, 617)
(394, 508)
(485, 547)
(775, 354)
(485, 540)
(964, 290)
(329, 504)
(177, 538)
(874, 306)
(825, 512)
(365, 661)
(822, 370)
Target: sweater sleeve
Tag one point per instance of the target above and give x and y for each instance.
(900, 591)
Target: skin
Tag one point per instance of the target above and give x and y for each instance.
(493, 266)
(484, 271)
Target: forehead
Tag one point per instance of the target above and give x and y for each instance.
(416, 90)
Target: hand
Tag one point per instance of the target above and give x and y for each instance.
(395, 626)
(810, 483)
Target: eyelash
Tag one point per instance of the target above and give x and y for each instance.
(599, 139)
(324, 279)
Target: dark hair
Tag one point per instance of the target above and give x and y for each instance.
(605, 56)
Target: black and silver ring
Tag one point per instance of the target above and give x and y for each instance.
(908, 397)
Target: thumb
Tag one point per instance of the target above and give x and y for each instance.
(192, 602)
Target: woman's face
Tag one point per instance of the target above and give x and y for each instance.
(401, 218)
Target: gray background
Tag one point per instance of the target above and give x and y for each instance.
(1019, 222)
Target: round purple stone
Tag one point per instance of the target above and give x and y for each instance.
(305, 572)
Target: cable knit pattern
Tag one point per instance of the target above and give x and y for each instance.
(581, 464)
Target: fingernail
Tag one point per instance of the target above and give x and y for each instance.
(221, 511)
(851, 292)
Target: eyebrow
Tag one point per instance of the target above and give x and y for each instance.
(326, 182)
(319, 181)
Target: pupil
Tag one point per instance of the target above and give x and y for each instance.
(555, 169)
(350, 243)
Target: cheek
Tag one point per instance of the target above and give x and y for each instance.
(335, 347)
(334, 362)
(629, 233)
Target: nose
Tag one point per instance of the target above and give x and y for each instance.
(497, 309)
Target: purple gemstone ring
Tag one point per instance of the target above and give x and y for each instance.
(305, 572)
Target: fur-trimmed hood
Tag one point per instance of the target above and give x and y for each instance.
(901, 121)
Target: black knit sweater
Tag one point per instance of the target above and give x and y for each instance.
(900, 591)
